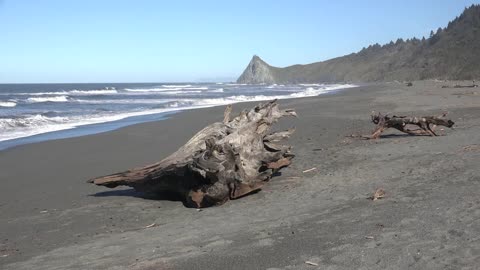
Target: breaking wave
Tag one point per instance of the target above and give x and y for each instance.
(168, 89)
(310, 84)
(74, 92)
(7, 104)
(196, 88)
(176, 85)
(219, 90)
(48, 99)
(25, 126)
(76, 108)
(93, 92)
(151, 89)
(122, 101)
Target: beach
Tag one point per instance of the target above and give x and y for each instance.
(50, 218)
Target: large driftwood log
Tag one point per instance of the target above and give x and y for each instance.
(426, 124)
(225, 160)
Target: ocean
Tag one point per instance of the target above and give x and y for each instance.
(39, 112)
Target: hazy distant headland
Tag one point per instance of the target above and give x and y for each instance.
(449, 53)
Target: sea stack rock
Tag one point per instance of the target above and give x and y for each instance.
(257, 71)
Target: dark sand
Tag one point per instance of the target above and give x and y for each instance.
(430, 218)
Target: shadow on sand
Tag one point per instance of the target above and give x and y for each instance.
(164, 196)
(402, 135)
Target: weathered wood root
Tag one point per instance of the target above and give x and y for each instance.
(225, 160)
(426, 124)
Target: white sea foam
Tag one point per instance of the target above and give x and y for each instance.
(11, 128)
(151, 89)
(310, 91)
(235, 84)
(72, 92)
(170, 90)
(176, 85)
(93, 92)
(45, 93)
(310, 84)
(123, 101)
(195, 88)
(243, 98)
(7, 104)
(232, 99)
(180, 92)
(219, 90)
(47, 99)
(14, 128)
(27, 126)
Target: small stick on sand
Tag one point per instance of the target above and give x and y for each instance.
(309, 170)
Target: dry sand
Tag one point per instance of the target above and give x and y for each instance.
(429, 219)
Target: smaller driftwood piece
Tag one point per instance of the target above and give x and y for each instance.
(425, 124)
(225, 160)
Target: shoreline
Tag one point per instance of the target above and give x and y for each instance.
(50, 218)
(101, 127)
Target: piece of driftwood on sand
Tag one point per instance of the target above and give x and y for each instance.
(426, 124)
(225, 160)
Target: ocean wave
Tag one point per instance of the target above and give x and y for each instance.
(310, 91)
(93, 92)
(8, 104)
(209, 102)
(232, 99)
(122, 101)
(176, 85)
(45, 93)
(146, 90)
(47, 99)
(29, 121)
(13, 128)
(310, 84)
(179, 92)
(167, 91)
(219, 90)
(72, 92)
(22, 126)
(196, 88)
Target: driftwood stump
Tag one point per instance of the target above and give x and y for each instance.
(225, 160)
(426, 124)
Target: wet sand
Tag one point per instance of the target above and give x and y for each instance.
(430, 218)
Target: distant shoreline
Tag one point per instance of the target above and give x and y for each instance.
(89, 129)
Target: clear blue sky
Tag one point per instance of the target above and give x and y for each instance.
(157, 41)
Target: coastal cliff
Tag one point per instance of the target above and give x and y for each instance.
(449, 53)
(257, 71)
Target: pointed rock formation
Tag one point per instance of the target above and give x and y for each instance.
(257, 71)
